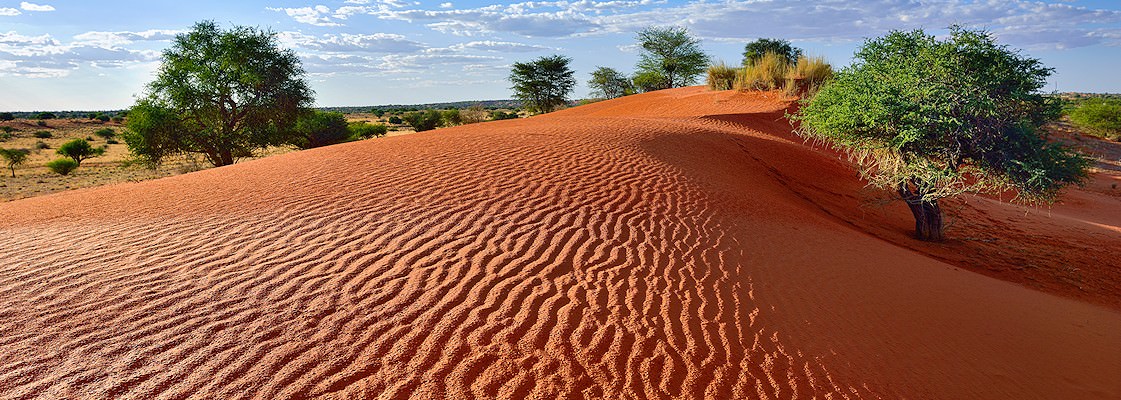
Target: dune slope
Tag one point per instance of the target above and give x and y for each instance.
(666, 245)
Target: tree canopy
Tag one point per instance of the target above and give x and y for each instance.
(932, 118)
(544, 83)
(753, 51)
(14, 157)
(608, 83)
(219, 93)
(79, 150)
(671, 57)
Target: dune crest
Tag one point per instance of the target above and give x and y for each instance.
(655, 246)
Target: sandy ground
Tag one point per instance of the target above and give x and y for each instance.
(676, 244)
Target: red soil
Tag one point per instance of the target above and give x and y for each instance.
(677, 244)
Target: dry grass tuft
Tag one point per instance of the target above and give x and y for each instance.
(721, 76)
(768, 73)
(808, 75)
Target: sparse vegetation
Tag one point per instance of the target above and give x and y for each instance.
(6, 116)
(106, 133)
(473, 114)
(41, 123)
(808, 75)
(14, 158)
(62, 166)
(45, 115)
(755, 51)
(79, 150)
(451, 117)
(721, 77)
(544, 83)
(671, 57)
(767, 73)
(607, 83)
(43, 134)
(501, 115)
(930, 118)
(363, 130)
(253, 103)
(424, 120)
(1099, 116)
(41, 145)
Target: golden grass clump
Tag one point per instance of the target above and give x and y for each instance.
(808, 75)
(721, 76)
(767, 73)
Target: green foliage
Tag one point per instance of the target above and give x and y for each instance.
(473, 114)
(935, 118)
(720, 77)
(424, 120)
(62, 166)
(362, 130)
(45, 115)
(808, 75)
(14, 157)
(671, 53)
(41, 123)
(501, 115)
(607, 83)
(396, 120)
(1099, 116)
(544, 83)
(767, 73)
(106, 133)
(754, 51)
(316, 128)
(6, 116)
(377, 112)
(650, 81)
(451, 117)
(41, 145)
(43, 134)
(7, 129)
(220, 93)
(79, 150)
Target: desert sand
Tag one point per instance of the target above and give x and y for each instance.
(675, 244)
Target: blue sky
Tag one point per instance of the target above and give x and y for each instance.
(95, 55)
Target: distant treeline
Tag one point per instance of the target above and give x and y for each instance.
(398, 108)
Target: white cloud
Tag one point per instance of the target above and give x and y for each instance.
(446, 5)
(506, 47)
(45, 57)
(317, 15)
(114, 39)
(9, 12)
(35, 7)
(372, 43)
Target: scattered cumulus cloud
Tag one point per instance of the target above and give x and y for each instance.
(43, 56)
(9, 12)
(316, 15)
(35, 7)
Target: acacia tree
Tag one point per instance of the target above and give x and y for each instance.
(753, 51)
(14, 157)
(671, 54)
(79, 150)
(543, 84)
(223, 94)
(608, 83)
(933, 118)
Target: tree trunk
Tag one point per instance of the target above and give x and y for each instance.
(227, 157)
(928, 215)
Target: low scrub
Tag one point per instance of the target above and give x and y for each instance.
(363, 130)
(424, 120)
(808, 75)
(316, 128)
(62, 166)
(721, 77)
(106, 133)
(43, 135)
(767, 73)
(1101, 117)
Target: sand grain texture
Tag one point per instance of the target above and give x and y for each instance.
(656, 246)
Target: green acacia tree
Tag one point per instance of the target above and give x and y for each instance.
(220, 93)
(14, 157)
(608, 83)
(755, 50)
(671, 54)
(931, 118)
(544, 83)
(79, 150)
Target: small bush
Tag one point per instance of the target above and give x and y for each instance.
(768, 73)
(111, 141)
(720, 77)
(41, 123)
(7, 129)
(45, 115)
(106, 133)
(1101, 117)
(424, 120)
(43, 135)
(62, 166)
(500, 115)
(41, 145)
(5, 136)
(117, 120)
(473, 114)
(102, 117)
(362, 130)
(79, 150)
(451, 117)
(7, 116)
(319, 128)
(396, 120)
(808, 75)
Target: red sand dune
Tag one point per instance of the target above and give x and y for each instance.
(677, 244)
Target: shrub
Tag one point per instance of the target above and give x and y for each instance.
(45, 115)
(377, 112)
(396, 120)
(117, 120)
(79, 150)
(41, 145)
(7, 129)
(424, 120)
(451, 117)
(473, 114)
(1100, 117)
(362, 130)
(767, 73)
(720, 76)
(501, 115)
(607, 83)
(5, 136)
(111, 141)
(102, 118)
(650, 81)
(808, 75)
(41, 123)
(62, 166)
(43, 135)
(106, 133)
(7, 116)
(318, 128)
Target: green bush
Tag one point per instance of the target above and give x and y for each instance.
(362, 130)
(41, 123)
(43, 135)
(45, 115)
(62, 166)
(111, 141)
(79, 150)
(720, 77)
(1100, 117)
(106, 133)
(396, 120)
(318, 128)
(424, 120)
(501, 115)
(7, 116)
(7, 129)
(40, 145)
(451, 117)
